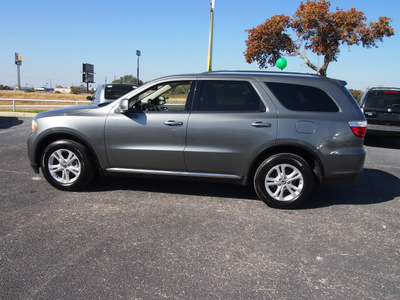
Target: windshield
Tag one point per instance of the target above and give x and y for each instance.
(383, 99)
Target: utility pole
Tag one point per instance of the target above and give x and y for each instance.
(210, 40)
(138, 53)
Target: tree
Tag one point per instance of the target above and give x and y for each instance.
(128, 79)
(318, 30)
(5, 87)
(356, 94)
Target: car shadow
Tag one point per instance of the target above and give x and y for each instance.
(8, 122)
(390, 142)
(373, 186)
(173, 186)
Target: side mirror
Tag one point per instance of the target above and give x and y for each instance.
(90, 98)
(124, 105)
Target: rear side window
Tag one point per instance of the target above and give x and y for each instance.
(113, 92)
(221, 95)
(382, 99)
(302, 98)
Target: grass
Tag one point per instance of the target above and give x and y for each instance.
(44, 96)
(41, 96)
(173, 99)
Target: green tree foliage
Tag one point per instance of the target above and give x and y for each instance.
(5, 87)
(317, 30)
(130, 79)
(75, 90)
(356, 94)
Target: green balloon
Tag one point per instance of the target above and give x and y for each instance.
(281, 63)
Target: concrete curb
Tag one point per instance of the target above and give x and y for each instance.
(16, 114)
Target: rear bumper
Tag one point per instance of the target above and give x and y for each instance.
(376, 129)
(344, 167)
(344, 179)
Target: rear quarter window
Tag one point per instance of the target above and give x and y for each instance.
(302, 98)
(113, 92)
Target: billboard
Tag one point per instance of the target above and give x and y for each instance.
(88, 68)
(87, 73)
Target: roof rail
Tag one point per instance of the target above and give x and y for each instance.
(383, 88)
(259, 72)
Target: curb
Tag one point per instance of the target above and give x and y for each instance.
(16, 114)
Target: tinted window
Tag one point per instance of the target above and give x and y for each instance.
(302, 98)
(382, 99)
(113, 92)
(219, 95)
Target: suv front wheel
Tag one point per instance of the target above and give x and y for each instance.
(283, 181)
(67, 165)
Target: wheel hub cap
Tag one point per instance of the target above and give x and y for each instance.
(284, 182)
(64, 166)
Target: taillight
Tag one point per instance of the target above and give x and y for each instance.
(359, 128)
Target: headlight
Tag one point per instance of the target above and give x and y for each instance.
(34, 125)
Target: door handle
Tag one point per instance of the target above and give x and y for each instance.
(173, 123)
(260, 124)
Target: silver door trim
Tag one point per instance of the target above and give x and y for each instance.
(173, 173)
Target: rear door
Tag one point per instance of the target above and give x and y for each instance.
(228, 126)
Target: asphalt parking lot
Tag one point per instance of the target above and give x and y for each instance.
(130, 238)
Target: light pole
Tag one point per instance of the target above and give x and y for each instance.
(18, 62)
(138, 53)
(210, 40)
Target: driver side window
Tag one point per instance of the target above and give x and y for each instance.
(168, 96)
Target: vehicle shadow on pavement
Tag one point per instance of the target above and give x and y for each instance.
(373, 186)
(390, 142)
(178, 186)
(8, 122)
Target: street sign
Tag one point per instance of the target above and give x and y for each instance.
(18, 59)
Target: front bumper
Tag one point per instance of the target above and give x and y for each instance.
(35, 168)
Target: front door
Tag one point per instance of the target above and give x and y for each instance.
(151, 135)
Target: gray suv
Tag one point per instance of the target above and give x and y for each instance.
(280, 132)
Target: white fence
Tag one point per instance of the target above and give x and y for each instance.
(39, 106)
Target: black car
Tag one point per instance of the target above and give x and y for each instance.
(381, 107)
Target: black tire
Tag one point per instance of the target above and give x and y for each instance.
(290, 181)
(67, 165)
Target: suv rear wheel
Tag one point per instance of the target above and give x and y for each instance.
(67, 165)
(283, 181)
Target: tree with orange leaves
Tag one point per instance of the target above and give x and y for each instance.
(318, 30)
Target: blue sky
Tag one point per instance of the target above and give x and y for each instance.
(55, 37)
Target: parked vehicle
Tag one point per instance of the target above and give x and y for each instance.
(110, 92)
(381, 107)
(280, 132)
